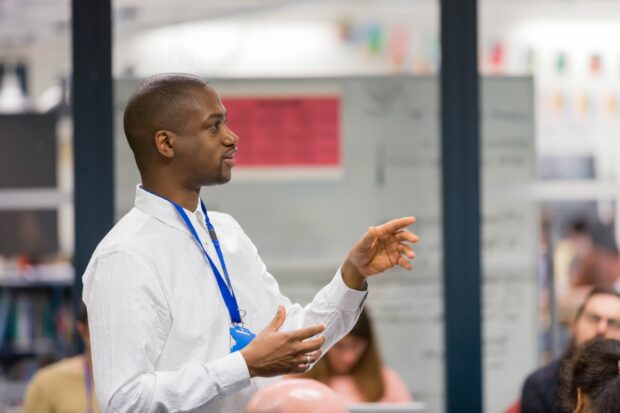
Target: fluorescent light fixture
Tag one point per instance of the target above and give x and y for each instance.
(12, 98)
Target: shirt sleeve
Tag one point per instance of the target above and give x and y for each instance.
(129, 322)
(335, 305)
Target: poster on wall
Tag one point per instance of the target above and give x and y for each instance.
(286, 136)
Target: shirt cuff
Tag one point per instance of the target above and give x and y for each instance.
(231, 372)
(343, 297)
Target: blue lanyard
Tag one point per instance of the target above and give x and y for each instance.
(226, 289)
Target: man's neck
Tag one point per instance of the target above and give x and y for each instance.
(187, 198)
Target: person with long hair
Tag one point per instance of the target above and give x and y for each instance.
(591, 379)
(354, 370)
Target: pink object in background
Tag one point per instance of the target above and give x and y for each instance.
(395, 389)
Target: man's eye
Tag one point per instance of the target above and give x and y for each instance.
(615, 324)
(215, 127)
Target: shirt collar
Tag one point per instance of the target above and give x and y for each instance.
(163, 210)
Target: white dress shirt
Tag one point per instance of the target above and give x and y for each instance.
(158, 323)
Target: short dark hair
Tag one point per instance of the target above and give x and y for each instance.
(161, 102)
(594, 370)
(595, 291)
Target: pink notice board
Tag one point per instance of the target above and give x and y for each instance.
(286, 132)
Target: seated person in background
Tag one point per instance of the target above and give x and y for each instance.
(587, 257)
(598, 317)
(591, 379)
(353, 369)
(65, 386)
(296, 396)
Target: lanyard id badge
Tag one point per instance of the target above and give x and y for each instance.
(240, 335)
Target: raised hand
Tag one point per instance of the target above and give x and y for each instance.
(381, 248)
(273, 353)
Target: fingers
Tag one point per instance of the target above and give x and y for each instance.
(275, 352)
(308, 358)
(307, 332)
(404, 262)
(395, 225)
(278, 320)
(407, 251)
(406, 254)
(407, 236)
(314, 356)
(309, 346)
(304, 361)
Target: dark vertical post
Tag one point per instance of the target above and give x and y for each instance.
(461, 205)
(92, 121)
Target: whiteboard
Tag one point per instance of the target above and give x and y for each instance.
(303, 228)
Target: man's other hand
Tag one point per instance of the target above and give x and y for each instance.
(273, 353)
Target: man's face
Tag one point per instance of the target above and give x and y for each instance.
(600, 319)
(206, 147)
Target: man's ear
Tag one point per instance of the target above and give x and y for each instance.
(164, 143)
(82, 329)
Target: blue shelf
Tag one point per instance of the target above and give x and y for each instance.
(12, 289)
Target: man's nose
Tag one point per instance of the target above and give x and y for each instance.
(601, 328)
(231, 137)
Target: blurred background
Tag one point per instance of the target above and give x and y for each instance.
(550, 118)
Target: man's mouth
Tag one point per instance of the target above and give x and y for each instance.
(229, 157)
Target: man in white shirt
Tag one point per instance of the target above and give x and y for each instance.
(173, 307)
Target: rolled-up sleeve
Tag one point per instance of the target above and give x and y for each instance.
(129, 323)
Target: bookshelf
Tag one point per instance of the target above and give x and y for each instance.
(36, 325)
(36, 276)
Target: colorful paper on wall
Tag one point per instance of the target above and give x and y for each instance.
(292, 131)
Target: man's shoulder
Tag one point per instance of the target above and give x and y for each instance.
(225, 224)
(544, 382)
(545, 375)
(222, 218)
(131, 230)
(540, 390)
